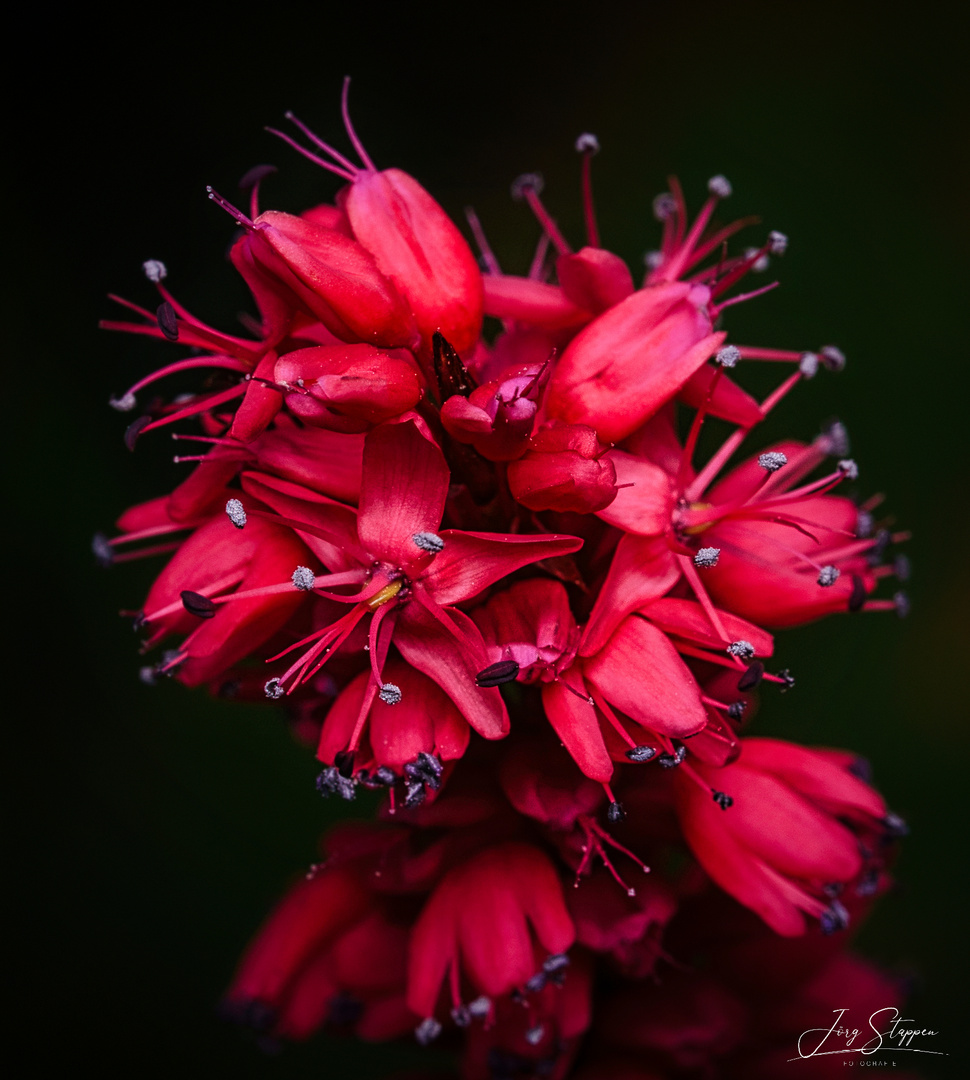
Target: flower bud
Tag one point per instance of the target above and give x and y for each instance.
(565, 470)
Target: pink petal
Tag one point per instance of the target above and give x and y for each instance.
(646, 507)
(575, 722)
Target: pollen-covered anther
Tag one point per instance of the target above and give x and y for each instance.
(742, 649)
(788, 679)
(777, 242)
(304, 578)
(428, 541)
(864, 524)
(461, 1016)
(534, 1035)
(641, 753)
(828, 576)
(719, 186)
(761, 260)
(834, 918)
(653, 260)
(531, 181)
(832, 357)
(102, 550)
(727, 357)
(671, 761)
(427, 1031)
(615, 813)
(901, 604)
(808, 365)
(587, 143)
(722, 800)
(895, 825)
(737, 709)
(555, 962)
(848, 468)
(480, 1007)
(495, 674)
(836, 437)
(236, 512)
(664, 206)
(707, 557)
(390, 694)
(125, 403)
(155, 270)
(330, 782)
(902, 568)
(772, 460)
(274, 689)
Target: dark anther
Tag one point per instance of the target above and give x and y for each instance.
(383, 775)
(861, 769)
(103, 552)
(878, 549)
(869, 883)
(461, 1016)
(167, 322)
(722, 800)
(615, 813)
(858, 595)
(834, 918)
(670, 761)
(788, 679)
(895, 825)
(134, 429)
(737, 709)
(833, 889)
(750, 679)
(641, 753)
(414, 795)
(198, 605)
(344, 760)
(902, 568)
(255, 174)
(330, 782)
(453, 377)
(344, 1009)
(555, 962)
(496, 674)
(536, 983)
(425, 769)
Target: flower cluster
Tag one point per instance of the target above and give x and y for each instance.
(488, 576)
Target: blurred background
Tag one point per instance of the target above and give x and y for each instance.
(155, 826)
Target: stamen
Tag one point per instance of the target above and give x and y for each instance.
(787, 678)
(728, 356)
(864, 523)
(532, 181)
(274, 689)
(671, 761)
(719, 186)
(425, 769)
(641, 753)
(528, 186)
(534, 1035)
(742, 649)
(461, 1016)
(491, 264)
(304, 578)
(828, 576)
(225, 204)
(427, 1031)
(895, 825)
(737, 709)
(236, 512)
(832, 357)
(134, 429)
(835, 438)
(901, 604)
(155, 270)
(808, 365)
(123, 404)
(773, 460)
(102, 549)
(848, 468)
(664, 206)
(345, 112)
(496, 674)
(428, 541)
(390, 694)
(722, 800)
(653, 260)
(386, 594)
(707, 557)
(198, 605)
(615, 813)
(777, 242)
(750, 679)
(330, 782)
(555, 963)
(588, 145)
(834, 918)
(761, 261)
(480, 1007)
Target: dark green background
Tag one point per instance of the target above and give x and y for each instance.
(154, 826)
